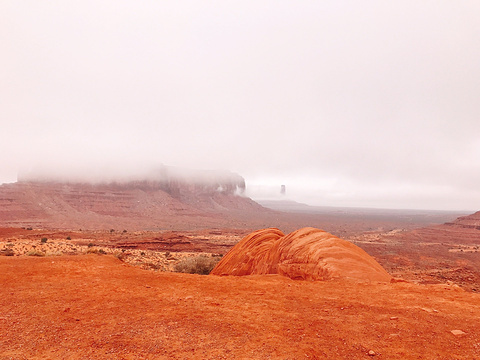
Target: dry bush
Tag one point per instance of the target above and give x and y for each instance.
(201, 264)
(96, 251)
(7, 252)
(153, 266)
(35, 253)
(121, 255)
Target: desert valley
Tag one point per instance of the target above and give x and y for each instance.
(100, 271)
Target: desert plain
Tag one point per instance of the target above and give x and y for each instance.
(110, 290)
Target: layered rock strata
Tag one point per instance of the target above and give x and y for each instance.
(308, 254)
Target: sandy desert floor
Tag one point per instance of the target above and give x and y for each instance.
(425, 256)
(158, 251)
(111, 295)
(97, 307)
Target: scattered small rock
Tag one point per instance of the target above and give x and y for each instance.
(393, 317)
(371, 353)
(457, 332)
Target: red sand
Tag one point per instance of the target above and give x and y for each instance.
(96, 307)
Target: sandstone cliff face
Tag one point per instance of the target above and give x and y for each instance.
(308, 253)
(170, 199)
(467, 222)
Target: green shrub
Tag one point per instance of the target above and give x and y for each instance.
(201, 264)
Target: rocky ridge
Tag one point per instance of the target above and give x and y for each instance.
(468, 222)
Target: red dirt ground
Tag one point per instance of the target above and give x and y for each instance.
(96, 307)
(88, 306)
(433, 254)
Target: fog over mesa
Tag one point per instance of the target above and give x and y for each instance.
(371, 103)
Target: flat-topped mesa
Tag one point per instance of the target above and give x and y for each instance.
(162, 198)
(308, 254)
(173, 180)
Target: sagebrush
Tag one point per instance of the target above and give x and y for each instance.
(201, 264)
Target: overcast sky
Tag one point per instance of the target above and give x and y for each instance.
(348, 103)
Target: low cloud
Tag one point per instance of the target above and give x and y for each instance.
(368, 104)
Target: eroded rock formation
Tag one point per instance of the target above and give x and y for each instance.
(308, 253)
(169, 198)
(468, 222)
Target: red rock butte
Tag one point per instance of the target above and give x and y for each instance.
(308, 254)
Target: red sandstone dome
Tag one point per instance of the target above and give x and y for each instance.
(308, 253)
